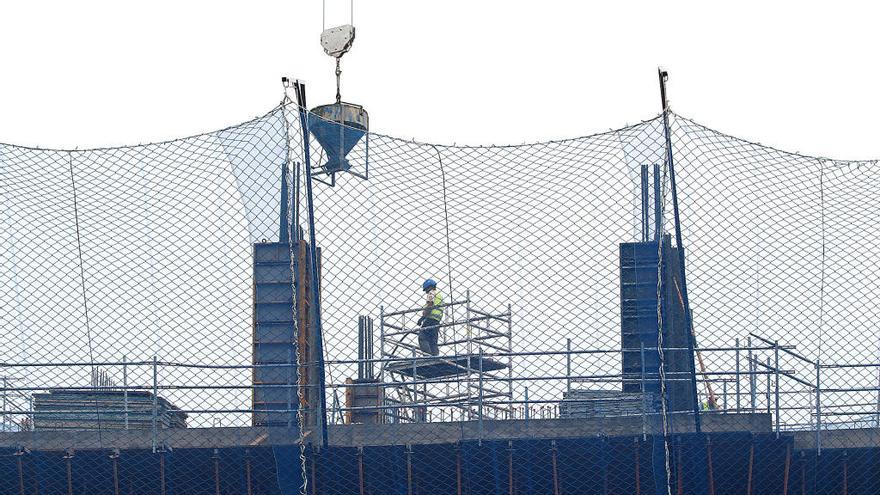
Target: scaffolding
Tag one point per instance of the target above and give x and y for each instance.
(459, 384)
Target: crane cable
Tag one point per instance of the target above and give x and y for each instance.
(324, 14)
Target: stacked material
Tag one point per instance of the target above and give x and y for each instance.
(581, 403)
(104, 409)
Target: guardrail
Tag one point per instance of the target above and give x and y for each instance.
(798, 393)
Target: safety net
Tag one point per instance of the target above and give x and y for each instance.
(657, 308)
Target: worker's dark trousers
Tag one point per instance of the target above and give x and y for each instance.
(428, 336)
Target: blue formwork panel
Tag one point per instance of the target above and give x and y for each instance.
(578, 457)
(94, 471)
(770, 458)
(274, 336)
(50, 471)
(272, 273)
(275, 414)
(531, 466)
(622, 476)
(730, 462)
(191, 472)
(385, 470)
(267, 292)
(638, 289)
(638, 314)
(276, 394)
(435, 468)
(274, 332)
(484, 468)
(288, 469)
(272, 252)
(9, 478)
(275, 353)
(714, 463)
(273, 471)
(864, 465)
(274, 312)
(689, 463)
(639, 321)
(336, 471)
(140, 471)
(275, 374)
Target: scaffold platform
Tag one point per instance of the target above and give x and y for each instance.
(444, 366)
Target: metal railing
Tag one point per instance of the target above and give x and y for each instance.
(762, 376)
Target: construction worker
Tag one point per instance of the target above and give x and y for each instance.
(432, 315)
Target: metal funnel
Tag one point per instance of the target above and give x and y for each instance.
(338, 127)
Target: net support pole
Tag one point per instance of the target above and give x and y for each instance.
(644, 203)
(321, 421)
(657, 210)
(155, 406)
(737, 376)
(681, 270)
(818, 407)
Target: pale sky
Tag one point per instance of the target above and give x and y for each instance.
(787, 74)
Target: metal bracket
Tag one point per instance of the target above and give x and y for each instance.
(337, 41)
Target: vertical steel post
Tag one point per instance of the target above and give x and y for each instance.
(818, 408)
(5, 384)
(737, 376)
(644, 205)
(115, 457)
(709, 471)
(360, 459)
(125, 388)
(724, 394)
(526, 409)
(753, 379)
(382, 337)
(163, 489)
(480, 405)
(321, 420)
(415, 388)
(510, 357)
(751, 467)
(382, 366)
(776, 371)
(511, 488)
(469, 351)
(247, 473)
(155, 424)
(216, 458)
(767, 393)
(361, 358)
(467, 322)
(409, 476)
(458, 480)
(568, 366)
(689, 324)
(642, 390)
(68, 457)
(296, 221)
(787, 469)
(283, 217)
(877, 418)
(657, 206)
(20, 465)
(637, 462)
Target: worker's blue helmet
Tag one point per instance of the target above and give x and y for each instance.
(429, 284)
